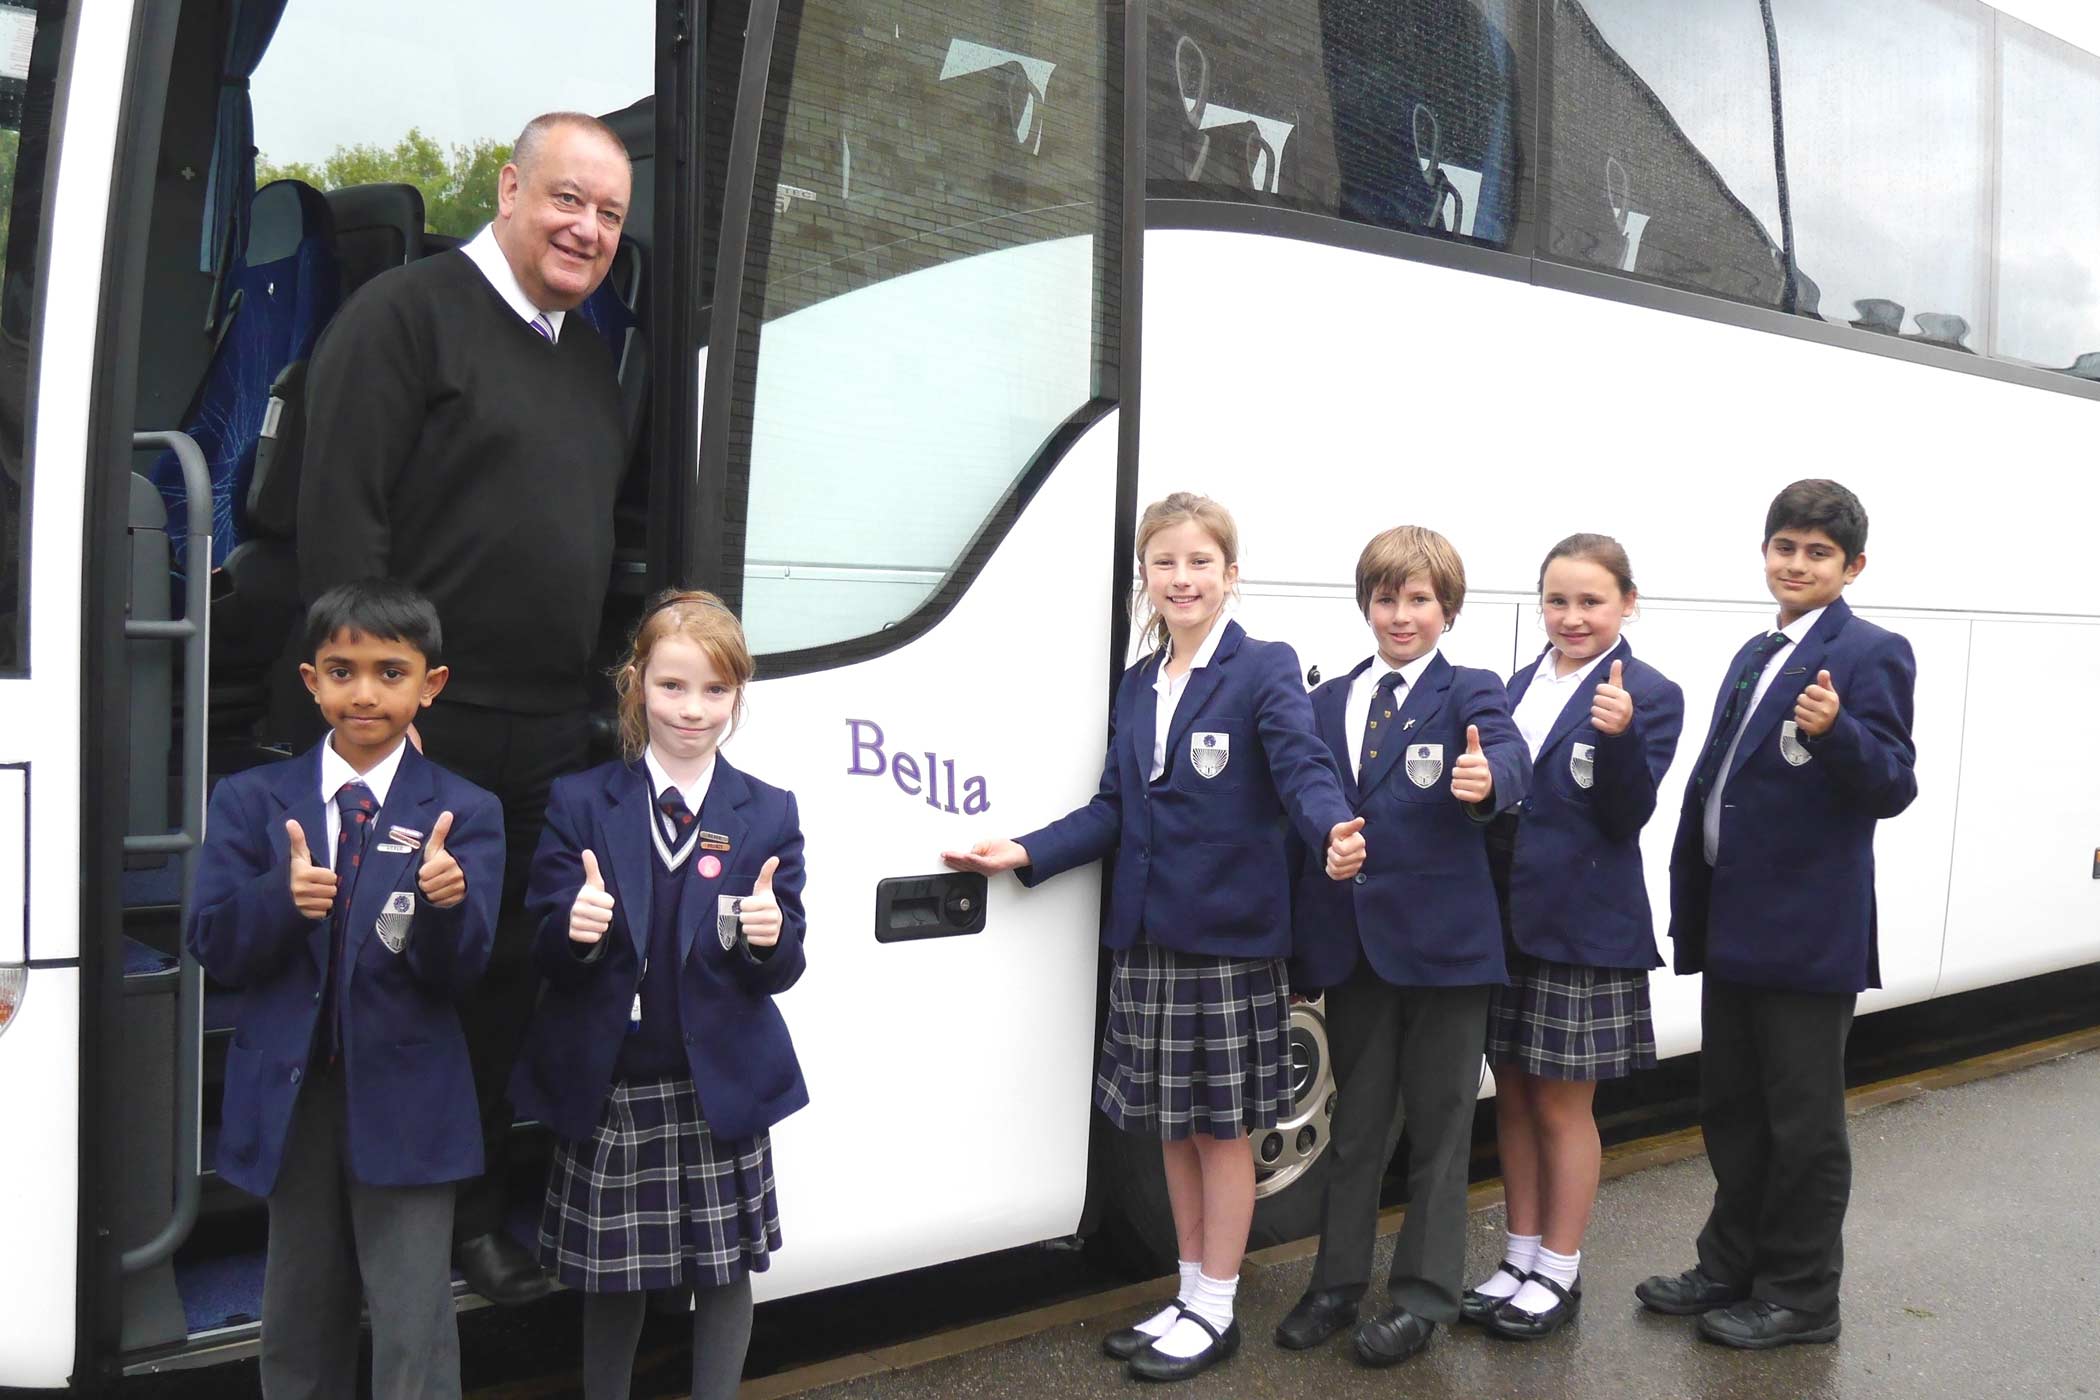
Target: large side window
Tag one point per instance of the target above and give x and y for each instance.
(2049, 203)
(1407, 114)
(29, 43)
(922, 303)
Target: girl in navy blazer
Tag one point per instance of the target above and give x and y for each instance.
(1601, 728)
(1211, 754)
(667, 898)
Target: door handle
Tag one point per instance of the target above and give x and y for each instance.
(929, 906)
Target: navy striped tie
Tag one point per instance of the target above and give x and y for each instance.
(1734, 713)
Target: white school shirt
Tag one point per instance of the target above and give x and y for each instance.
(485, 253)
(1166, 690)
(694, 794)
(335, 773)
(1356, 710)
(1548, 696)
(1794, 632)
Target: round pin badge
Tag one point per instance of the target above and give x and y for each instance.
(710, 867)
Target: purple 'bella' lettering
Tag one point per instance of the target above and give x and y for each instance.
(905, 774)
(862, 745)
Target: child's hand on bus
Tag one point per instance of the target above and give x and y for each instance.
(1817, 709)
(313, 886)
(1472, 782)
(591, 915)
(1345, 849)
(1611, 711)
(758, 913)
(988, 857)
(443, 883)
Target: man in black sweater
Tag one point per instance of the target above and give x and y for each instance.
(464, 436)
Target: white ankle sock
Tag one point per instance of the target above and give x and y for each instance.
(1563, 1269)
(1519, 1252)
(1157, 1324)
(1213, 1303)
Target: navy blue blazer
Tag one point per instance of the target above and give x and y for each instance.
(736, 1043)
(1576, 892)
(412, 1119)
(1423, 909)
(1790, 903)
(1201, 864)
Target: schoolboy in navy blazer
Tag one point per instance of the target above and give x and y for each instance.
(1422, 911)
(1772, 898)
(1577, 892)
(1176, 882)
(737, 1045)
(1790, 901)
(407, 1079)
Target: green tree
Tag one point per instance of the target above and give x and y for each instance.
(458, 184)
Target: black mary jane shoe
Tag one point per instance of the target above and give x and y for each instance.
(1152, 1364)
(1476, 1307)
(1126, 1342)
(1514, 1323)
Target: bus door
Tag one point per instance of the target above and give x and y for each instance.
(909, 421)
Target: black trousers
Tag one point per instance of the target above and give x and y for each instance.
(1395, 1048)
(517, 757)
(1772, 1108)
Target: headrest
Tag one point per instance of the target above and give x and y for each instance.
(285, 213)
(396, 207)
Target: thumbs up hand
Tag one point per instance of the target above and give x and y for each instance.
(1472, 782)
(591, 915)
(443, 883)
(758, 912)
(1345, 849)
(1611, 710)
(313, 886)
(1817, 709)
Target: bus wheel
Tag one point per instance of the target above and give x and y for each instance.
(1286, 1152)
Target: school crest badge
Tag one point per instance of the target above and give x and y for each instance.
(1209, 753)
(1582, 764)
(729, 923)
(1425, 764)
(1790, 746)
(394, 919)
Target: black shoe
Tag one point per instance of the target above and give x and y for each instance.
(1152, 1364)
(1756, 1325)
(1392, 1337)
(1689, 1292)
(498, 1268)
(1320, 1314)
(1513, 1322)
(1474, 1306)
(1126, 1342)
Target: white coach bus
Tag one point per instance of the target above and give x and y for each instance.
(921, 301)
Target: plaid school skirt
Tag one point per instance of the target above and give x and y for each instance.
(1194, 1044)
(652, 1200)
(1561, 1021)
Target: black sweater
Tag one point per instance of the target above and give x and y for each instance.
(450, 446)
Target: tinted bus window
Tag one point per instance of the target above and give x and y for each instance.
(1407, 114)
(1661, 154)
(29, 42)
(922, 302)
(2049, 203)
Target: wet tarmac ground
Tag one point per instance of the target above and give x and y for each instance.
(1972, 1270)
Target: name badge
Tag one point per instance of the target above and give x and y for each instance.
(408, 837)
(1209, 753)
(393, 848)
(394, 919)
(713, 841)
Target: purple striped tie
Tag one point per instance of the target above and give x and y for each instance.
(544, 326)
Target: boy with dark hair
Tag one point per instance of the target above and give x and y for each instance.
(350, 894)
(1772, 897)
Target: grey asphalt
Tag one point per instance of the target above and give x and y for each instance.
(1972, 1270)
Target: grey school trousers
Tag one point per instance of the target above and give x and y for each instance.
(336, 1244)
(1415, 1049)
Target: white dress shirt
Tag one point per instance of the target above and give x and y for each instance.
(335, 773)
(1794, 631)
(694, 793)
(1549, 694)
(1356, 710)
(1166, 690)
(485, 253)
